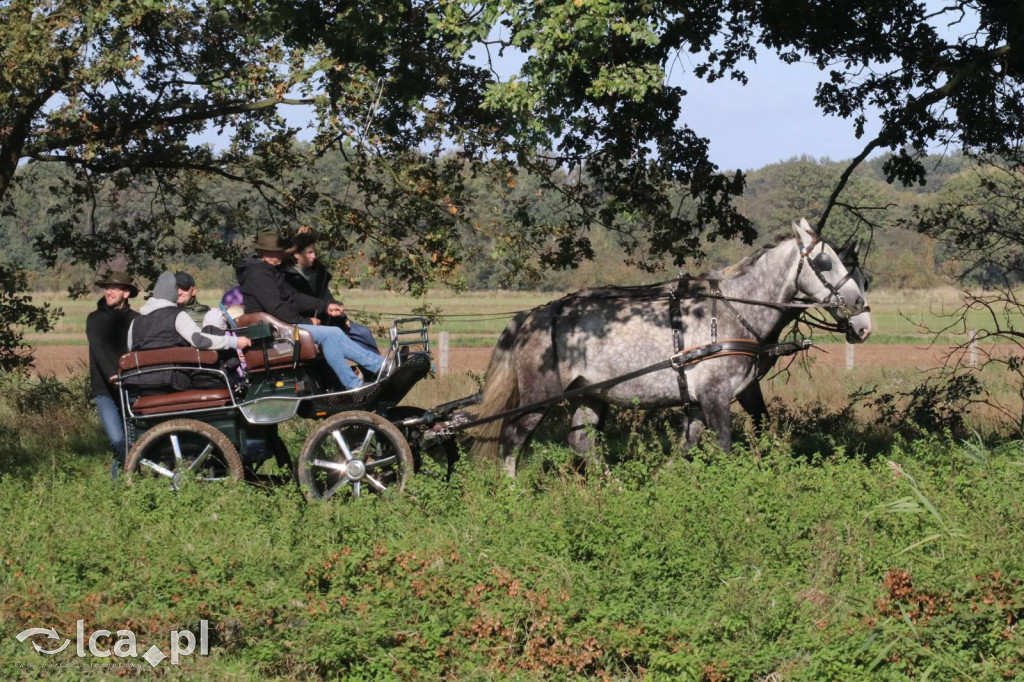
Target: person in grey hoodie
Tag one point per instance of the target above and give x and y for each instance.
(162, 324)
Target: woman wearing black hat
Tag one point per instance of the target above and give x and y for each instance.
(106, 330)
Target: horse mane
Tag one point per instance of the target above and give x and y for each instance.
(747, 263)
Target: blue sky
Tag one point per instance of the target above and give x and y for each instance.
(771, 119)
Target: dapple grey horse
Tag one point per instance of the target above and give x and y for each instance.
(597, 335)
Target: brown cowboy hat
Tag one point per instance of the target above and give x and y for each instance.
(269, 240)
(120, 278)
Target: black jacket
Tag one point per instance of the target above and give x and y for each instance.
(107, 332)
(320, 288)
(265, 290)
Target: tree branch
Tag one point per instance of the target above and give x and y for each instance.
(918, 106)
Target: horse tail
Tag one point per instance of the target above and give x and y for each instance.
(501, 392)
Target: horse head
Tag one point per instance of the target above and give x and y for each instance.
(834, 280)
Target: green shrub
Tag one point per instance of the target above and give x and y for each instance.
(762, 564)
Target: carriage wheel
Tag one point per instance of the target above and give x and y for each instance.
(183, 449)
(353, 452)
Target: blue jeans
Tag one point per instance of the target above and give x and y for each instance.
(110, 419)
(338, 348)
(362, 335)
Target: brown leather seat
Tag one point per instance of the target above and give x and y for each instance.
(255, 361)
(167, 356)
(180, 401)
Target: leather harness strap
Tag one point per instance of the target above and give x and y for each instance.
(684, 357)
(716, 295)
(675, 317)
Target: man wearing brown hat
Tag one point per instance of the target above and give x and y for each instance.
(265, 289)
(106, 329)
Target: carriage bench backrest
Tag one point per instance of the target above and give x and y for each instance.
(167, 356)
(280, 355)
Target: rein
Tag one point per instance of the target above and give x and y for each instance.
(835, 303)
(686, 357)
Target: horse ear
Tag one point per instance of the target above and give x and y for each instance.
(851, 251)
(804, 232)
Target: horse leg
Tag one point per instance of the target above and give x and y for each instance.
(693, 428)
(752, 401)
(587, 419)
(515, 436)
(718, 417)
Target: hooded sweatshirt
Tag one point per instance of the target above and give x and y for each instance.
(266, 291)
(165, 298)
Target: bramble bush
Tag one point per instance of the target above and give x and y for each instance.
(768, 563)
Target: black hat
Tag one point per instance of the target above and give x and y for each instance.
(120, 278)
(184, 281)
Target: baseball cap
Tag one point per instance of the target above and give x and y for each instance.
(184, 280)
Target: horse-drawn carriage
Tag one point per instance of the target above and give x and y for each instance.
(702, 342)
(189, 414)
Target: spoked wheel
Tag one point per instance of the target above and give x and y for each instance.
(184, 449)
(351, 453)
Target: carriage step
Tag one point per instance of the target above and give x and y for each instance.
(196, 399)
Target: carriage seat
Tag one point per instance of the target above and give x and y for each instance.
(196, 399)
(257, 361)
(182, 356)
(186, 355)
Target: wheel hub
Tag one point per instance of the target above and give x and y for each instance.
(355, 470)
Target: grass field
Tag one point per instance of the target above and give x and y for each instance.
(826, 550)
(893, 360)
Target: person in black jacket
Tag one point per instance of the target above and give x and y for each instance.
(305, 273)
(106, 330)
(265, 290)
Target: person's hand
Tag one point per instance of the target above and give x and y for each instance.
(335, 309)
(315, 320)
(244, 342)
(114, 380)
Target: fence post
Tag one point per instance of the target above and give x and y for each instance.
(972, 348)
(849, 357)
(442, 346)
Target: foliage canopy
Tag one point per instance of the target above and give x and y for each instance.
(123, 92)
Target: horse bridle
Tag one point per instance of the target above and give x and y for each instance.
(836, 303)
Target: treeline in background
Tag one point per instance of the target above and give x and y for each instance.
(870, 209)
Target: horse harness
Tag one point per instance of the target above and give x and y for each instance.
(684, 357)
